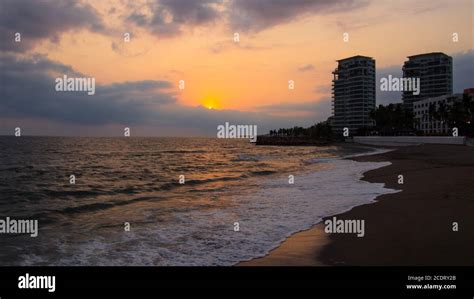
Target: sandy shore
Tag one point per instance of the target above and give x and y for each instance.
(412, 227)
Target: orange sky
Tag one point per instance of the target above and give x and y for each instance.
(243, 82)
(255, 71)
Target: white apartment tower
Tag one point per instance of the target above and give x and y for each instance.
(353, 92)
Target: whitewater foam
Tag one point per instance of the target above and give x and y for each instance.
(266, 218)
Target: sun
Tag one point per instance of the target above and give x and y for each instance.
(211, 103)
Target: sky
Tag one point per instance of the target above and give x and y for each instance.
(240, 82)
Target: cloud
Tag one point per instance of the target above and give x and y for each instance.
(28, 97)
(191, 11)
(392, 12)
(43, 20)
(125, 50)
(251, 15)
(306, 68)
(303, 113)
(167, 18)
(28, 90)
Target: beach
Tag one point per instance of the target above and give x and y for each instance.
(429, 223)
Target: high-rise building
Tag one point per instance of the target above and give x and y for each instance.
(435, 71)
(426, 122)
(353, 92)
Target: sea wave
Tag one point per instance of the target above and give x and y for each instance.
(266, 217)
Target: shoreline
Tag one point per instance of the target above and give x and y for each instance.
(297, 249)
(407, 228)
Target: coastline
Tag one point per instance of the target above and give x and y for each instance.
(408, 228)
(298, 248)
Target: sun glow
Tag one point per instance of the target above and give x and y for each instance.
(211, 103)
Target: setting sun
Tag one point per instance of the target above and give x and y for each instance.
(211, 103)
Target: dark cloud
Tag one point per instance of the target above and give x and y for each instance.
(138, 18)
(168, 17)
(191, 11)
(251, 15)
(11, 64)
(39, 20)
(314, 111)
(28, 96)
(28, 90)
(290, 106)
(306, 68)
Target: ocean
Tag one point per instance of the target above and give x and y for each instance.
(228, 184)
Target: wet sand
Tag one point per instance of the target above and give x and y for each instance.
(412, 227)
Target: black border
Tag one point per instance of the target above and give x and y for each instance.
(241, 282)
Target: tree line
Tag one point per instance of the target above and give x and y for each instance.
(393, 119)
(321, 130)
(459, 114)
